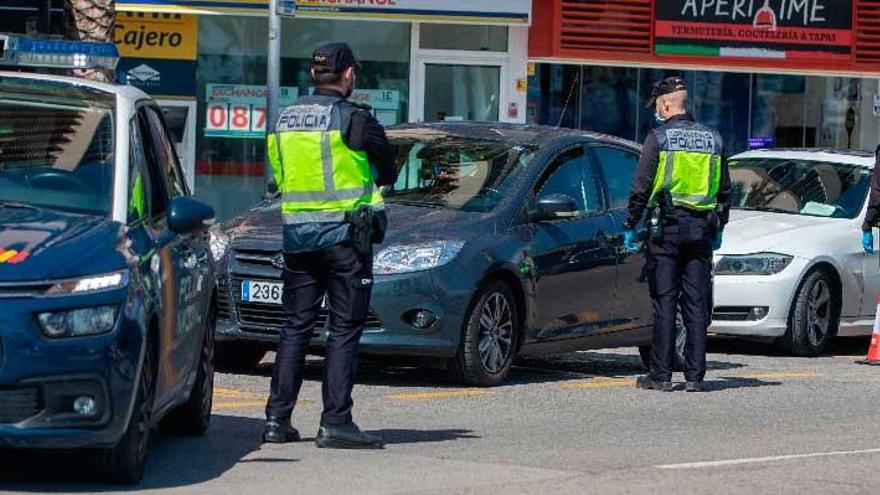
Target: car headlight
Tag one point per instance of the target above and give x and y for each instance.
(78, 322)
(219, 244)
(752, 264)
(92, 283)
(415, 257)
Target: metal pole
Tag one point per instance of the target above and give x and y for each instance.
(273, 83)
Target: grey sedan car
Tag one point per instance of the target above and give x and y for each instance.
(503, 240)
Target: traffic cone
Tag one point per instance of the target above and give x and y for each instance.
(873, 358)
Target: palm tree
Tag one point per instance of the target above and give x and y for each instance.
(91, 20)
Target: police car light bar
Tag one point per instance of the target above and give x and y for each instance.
(63, 54)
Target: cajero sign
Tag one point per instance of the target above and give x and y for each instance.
(152, 35)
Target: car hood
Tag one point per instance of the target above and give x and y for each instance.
(750, 232)
(51, 245)
(260, 228)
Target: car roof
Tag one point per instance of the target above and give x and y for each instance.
(496, 131)
(121, 90)
(844, 157)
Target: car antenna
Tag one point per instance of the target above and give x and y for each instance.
(577, 78)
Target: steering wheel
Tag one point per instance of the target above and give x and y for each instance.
(58, 180)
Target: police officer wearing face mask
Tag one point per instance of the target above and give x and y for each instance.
(329, 156)
(683, 180)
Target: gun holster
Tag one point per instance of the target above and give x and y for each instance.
(361, 221)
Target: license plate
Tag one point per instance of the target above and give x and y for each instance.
(262, 292)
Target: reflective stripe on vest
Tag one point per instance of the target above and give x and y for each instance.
(320, 178)
(689, 166)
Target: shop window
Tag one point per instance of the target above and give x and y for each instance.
(610, 100)
(778, 110)
(462, 37)
(554, 93)
(230, 158)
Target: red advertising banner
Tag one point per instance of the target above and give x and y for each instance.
(776, 29)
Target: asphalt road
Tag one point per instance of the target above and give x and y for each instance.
(570, 423)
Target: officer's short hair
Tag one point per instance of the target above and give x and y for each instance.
(327, 78)
(877, 151)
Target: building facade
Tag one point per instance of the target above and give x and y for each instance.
(205, 61)
(765, 72)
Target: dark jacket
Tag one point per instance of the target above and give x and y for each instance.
(873, 214)
(643, 182)
(360, 132)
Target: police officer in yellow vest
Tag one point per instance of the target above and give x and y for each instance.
(329, 157)
(683, 181)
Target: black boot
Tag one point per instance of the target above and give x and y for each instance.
(648, 383)
(346, 436)
(694, 386)
(279, 430)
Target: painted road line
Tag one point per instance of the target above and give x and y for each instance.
(599, 383)
(780, 374)
(763, 460)
(228, 392)
(614, 382)
(442, 394)
(238, 405)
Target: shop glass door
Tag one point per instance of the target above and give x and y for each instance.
(462, 92)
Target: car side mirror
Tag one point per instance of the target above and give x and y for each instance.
(554, 207)
(187, 215)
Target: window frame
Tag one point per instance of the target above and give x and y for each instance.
(153, 165)
(554, 164)
(597, 166)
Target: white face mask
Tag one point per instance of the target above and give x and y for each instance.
(658, 117)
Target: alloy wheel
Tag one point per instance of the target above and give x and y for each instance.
(819, 313)
(496, 333)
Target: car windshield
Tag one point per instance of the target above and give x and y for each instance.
(56, 146)
(454, 172)
(799, 187)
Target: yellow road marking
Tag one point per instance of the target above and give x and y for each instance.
(227, 392)
(438, 395)
(599, 383)
(238, 405)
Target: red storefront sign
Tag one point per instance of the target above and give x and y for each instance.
(812, 35)
(775, 29)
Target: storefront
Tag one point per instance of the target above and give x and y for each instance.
(765, 72)
(206, 61)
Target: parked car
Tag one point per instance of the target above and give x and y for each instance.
(792, 266)
(503, 240)
(107, 292)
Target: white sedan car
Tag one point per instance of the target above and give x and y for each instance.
(792, 266)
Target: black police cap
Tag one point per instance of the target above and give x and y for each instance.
(667, 86)
(333, 57)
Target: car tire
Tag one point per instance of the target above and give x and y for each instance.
(680, 338)
(489, 339)
(192, 418)
(237, 356)
(125, 463)
(815, 315)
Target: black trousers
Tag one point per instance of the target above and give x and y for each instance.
(680, 273)
(346, 276)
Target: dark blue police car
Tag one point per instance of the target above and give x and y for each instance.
(107, 294)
